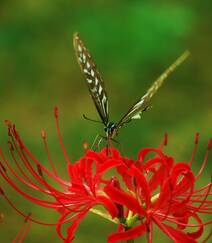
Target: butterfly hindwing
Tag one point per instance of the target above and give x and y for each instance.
(93, 78)
(135, 111)
(141, 105)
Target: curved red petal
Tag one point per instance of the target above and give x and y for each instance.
(127, 235)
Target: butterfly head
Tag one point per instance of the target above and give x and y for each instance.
(110, 129)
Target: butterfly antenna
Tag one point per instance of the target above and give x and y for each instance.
(89, 119)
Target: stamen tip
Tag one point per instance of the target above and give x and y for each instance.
(196, 140)
(39, 170)
(43, 133)
(165, 142)
(56, 111)
(85, 145)
(8, 123)
(210, 144)
(3, 168)
(10, 146)
(1, 191)
(27, 217)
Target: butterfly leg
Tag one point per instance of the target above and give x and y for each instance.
(98, 140)
(115, 141)
(96, 143)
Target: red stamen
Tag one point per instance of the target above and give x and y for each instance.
(2, 166)
(23, 231)
(201, 189)
(26, 216)
(27, 163)
(43, 135)
(206, 196)
(56, 113)
(23, 159)
(1, 191)
(196, 140)
(165, 142)
(204, 161)
(29, 182)
(85, 146)
(43, 203)
(8, 123)
(174, 220)
(207, 237)
(210, 144)
(39, 170)
(10, 145)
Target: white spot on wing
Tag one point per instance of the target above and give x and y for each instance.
(79, 48)
(92, 72)
(136, 116)
(85, 70)
(89, 80)
(83, 58)
(104, 102)
(93, 90)
(80, 59)
(88, 65)
(96, 80)
(100, 89)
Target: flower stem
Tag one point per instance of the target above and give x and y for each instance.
(104, 215)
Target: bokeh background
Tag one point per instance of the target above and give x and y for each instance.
(132, 43)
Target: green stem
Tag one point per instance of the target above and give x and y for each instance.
(130, 221)
(130, 241)
(104, 215)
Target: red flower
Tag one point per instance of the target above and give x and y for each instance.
(155, 191)
(76, 196)
(161, 191)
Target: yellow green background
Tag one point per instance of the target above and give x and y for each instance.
(132, 43)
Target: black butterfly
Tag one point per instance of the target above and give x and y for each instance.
(98, 93)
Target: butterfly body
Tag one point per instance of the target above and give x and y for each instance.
(110, 129)
(98, 92)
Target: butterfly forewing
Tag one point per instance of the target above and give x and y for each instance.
(142, 105)
(93, 78)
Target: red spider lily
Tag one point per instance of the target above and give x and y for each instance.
(155, 191)
(74, 198)
(176, 202)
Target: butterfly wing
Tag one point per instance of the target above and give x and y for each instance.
(143, 104)
(135, 111)
(93, 78)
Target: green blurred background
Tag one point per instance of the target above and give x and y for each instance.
(132, 43)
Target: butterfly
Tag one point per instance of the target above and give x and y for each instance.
(98, 92)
